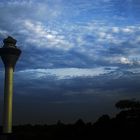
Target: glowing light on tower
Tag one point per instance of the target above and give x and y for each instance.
(9, 54)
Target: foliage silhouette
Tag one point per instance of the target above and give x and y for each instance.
(128, 104)
(125, 125)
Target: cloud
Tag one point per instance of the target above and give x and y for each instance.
(113, 83)
(82, 44)
(39, 36)
(32, 8)
(110, 40)
(63, 73)
(124, 60)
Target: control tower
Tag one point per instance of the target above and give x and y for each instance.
(9, 54)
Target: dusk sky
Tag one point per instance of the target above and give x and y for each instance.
(79, 57)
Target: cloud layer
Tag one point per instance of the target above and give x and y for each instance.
(73, 52)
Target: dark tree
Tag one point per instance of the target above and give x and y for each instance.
(128, 104)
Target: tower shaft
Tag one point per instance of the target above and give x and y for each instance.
(8, 99)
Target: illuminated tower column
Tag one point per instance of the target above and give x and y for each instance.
(9, 54)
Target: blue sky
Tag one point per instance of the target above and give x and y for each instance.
(78, 57)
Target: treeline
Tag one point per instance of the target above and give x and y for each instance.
(125, 124)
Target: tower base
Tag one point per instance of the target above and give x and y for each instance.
(4, 136)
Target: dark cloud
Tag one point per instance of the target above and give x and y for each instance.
(60, 89)
(50, 96)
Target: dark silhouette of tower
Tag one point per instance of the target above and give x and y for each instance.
(9, 54)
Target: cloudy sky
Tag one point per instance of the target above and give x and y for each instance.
(78, 57)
